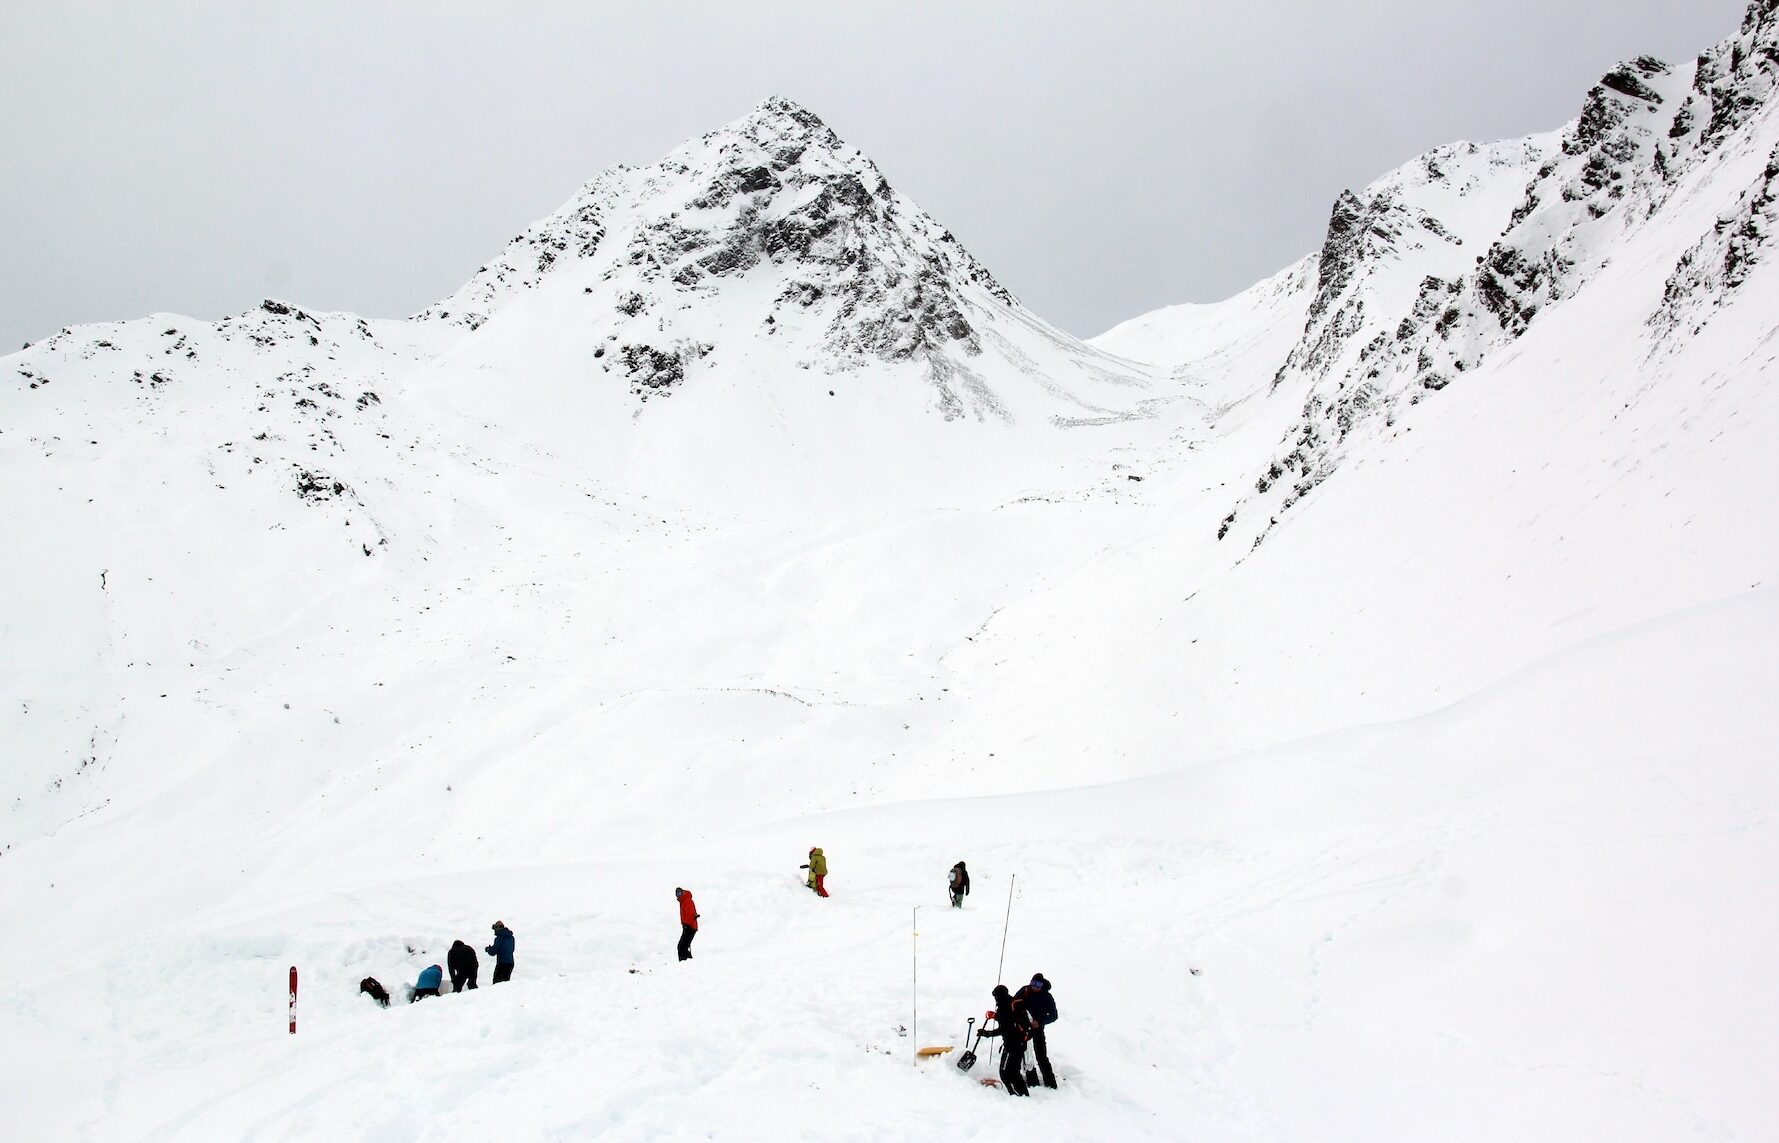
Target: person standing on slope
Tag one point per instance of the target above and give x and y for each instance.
(428, 984)
(688, 922)
(1041, 1007)
(818, 869)
(1012, 1026)
(502, 952)
(960, 885)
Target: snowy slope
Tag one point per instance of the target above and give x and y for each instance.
(1443, 813)
(1222, 349)
(1450, 259)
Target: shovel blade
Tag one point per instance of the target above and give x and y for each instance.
(966, 1061)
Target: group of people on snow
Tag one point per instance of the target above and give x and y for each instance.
(1020, 1018)
(464, 968)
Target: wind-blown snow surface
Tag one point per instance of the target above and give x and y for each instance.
(1445, 812)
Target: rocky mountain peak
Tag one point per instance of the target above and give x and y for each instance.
(775, 198)
(782, 121)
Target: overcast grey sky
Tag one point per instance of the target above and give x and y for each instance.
(1101, 158)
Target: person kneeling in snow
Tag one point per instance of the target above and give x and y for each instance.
(502, 952)
(1013, 1027)
(428, 984)
(818, 869)
(371, 987)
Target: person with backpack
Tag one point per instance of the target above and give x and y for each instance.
(688, 922)
(1013, 1027)
(818, 869)
(373, 988)
(502, 952)
(960, 885)
(428, 985)
(463, 965)
(1041, 1007)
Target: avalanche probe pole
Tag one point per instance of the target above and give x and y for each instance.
(915, 929)
(293, 1000)
(1004, 925)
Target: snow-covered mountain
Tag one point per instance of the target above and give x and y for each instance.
(735, 508)
(1450, 259)
(773, 233)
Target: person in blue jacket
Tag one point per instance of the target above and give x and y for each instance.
(428, 984)
(502, 952)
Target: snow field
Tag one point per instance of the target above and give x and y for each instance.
(1474, 917)
(1445, 813)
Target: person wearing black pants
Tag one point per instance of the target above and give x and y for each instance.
(502, 952)
(1012, 1026)
(959, 884)
(1041, 1007)
(463, 966)
(688, 922)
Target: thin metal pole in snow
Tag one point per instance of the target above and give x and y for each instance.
(915, 942)
(1004, 925)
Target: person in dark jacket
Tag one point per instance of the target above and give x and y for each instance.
(428, 985)
(1013, 1027)
(373, 988)
(464, 966)
(1041, 1007)
(960, 885)
(688, 922)
(502, 952)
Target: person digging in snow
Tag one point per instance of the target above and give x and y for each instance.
(462, 962)
(688, 922)
(1041, 1007)
(428, 985)
(502, 952)
(818, 869)
(373, 988)
(1013, 1027)
(960, 885)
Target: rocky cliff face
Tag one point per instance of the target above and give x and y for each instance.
(1416, 287)
(1732, 85)
(771, 227)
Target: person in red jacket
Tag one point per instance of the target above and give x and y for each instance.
(688, 922)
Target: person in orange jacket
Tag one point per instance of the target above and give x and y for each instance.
(688, 922)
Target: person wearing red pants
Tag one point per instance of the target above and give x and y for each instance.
(688, 922)
(818, 869)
